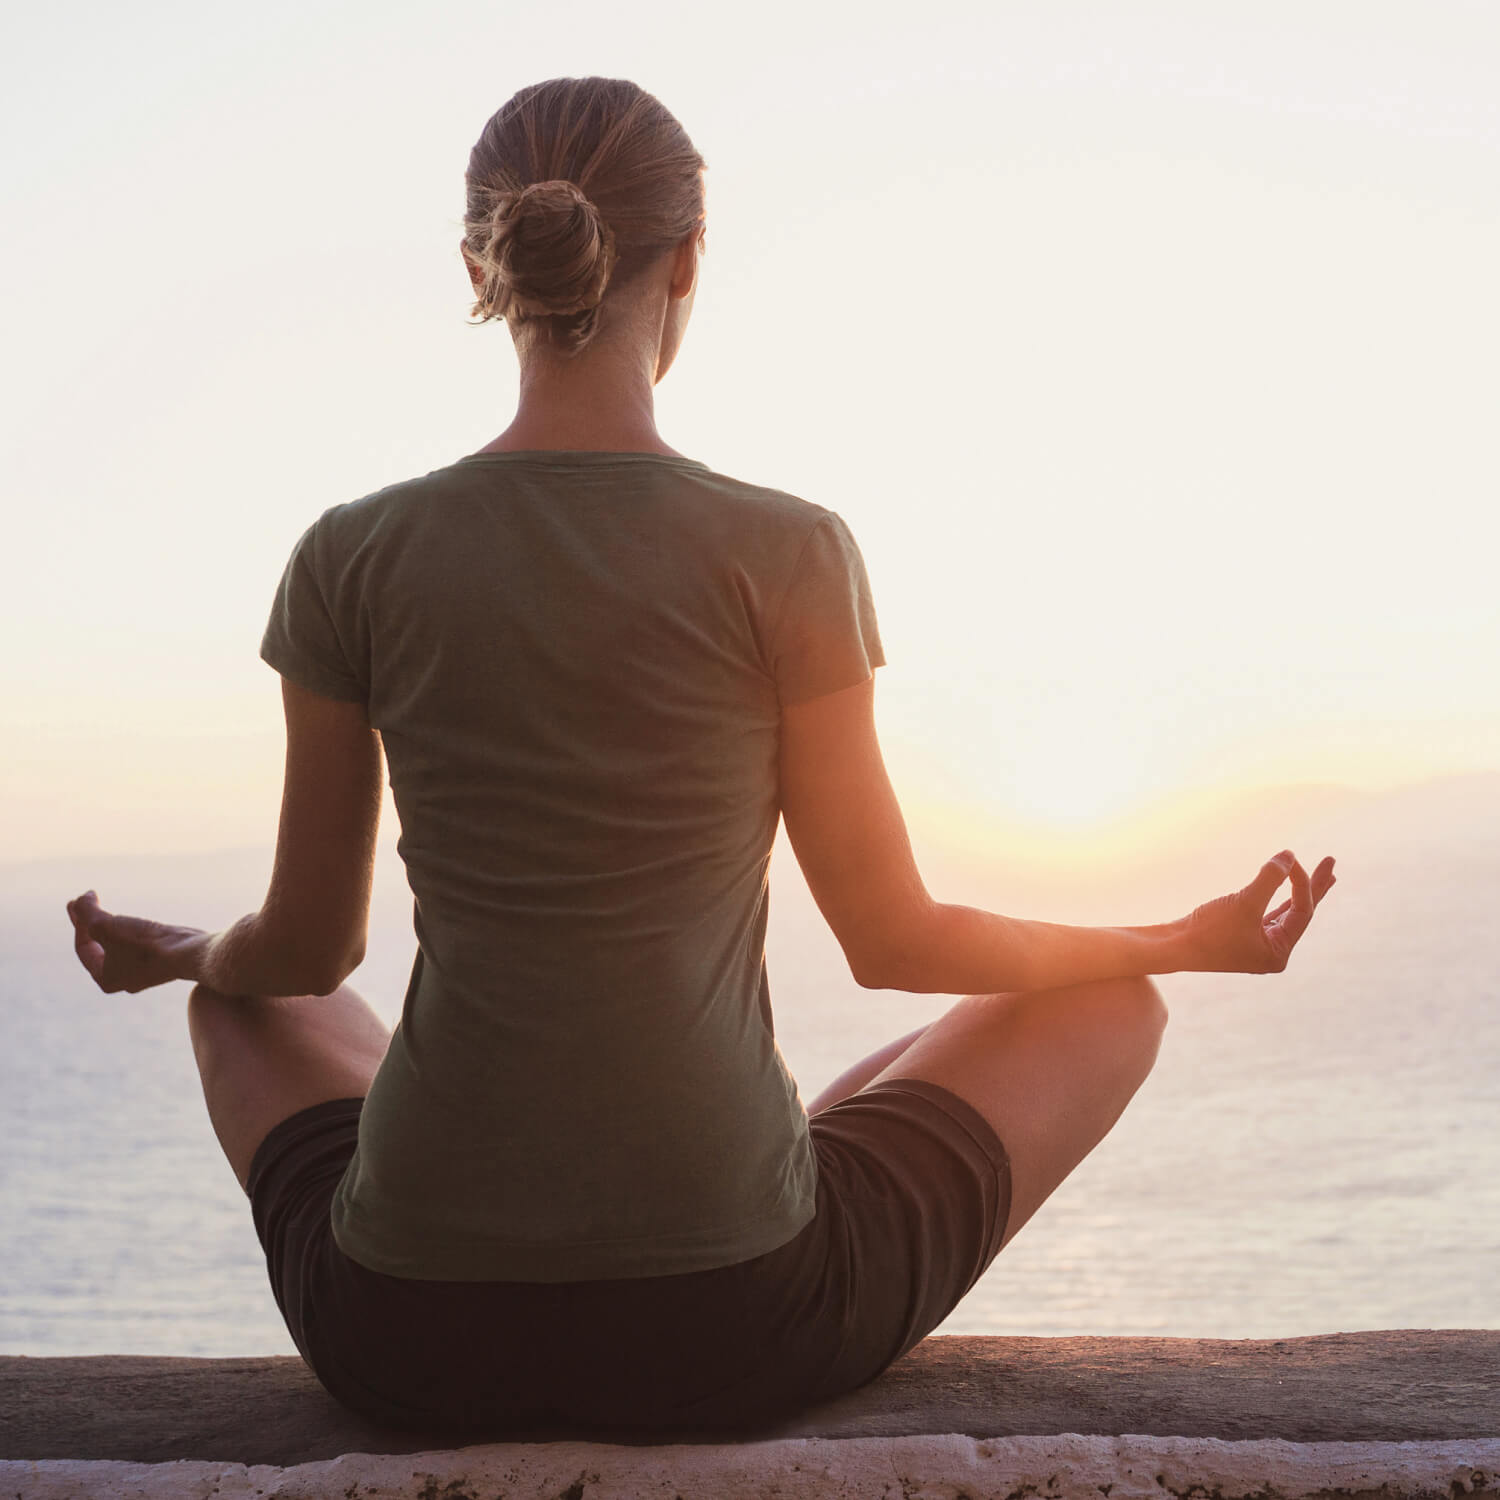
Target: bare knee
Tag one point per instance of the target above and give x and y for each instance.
(265, 1058)
(201, 999)
(340, 1024)
(211, 1014)
(1145, 1010)
(1134, 1014)
(1132, 1003)
(206, 1011)
(205, 1004)
(232, 1033)
(1117, 1022)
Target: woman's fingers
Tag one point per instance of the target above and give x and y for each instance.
(1291, 924)
(90, 954)
(137, 931)
(84, 912)
(128, 953)
(104, 940)
(1288, 922)
(83, 909)
(1277, 868)
(1272, 873)
(1302, 896)
(111, 927)
(1242, 933)
(1323, 881)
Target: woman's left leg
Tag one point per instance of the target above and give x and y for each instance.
(263, 1060)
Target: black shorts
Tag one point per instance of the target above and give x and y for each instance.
(913, 1197)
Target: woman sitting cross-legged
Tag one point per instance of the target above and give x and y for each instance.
(577, 1184)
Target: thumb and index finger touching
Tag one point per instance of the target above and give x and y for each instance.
(85, 913)
(1271, 875)
(1286, 924)
(93, 927)
(91, 919)
(1307, 890)
(1322, 881)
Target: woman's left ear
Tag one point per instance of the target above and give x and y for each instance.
(685, 265)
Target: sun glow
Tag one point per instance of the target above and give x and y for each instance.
(1072, 786)
(1184, 481)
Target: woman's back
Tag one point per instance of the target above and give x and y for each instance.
(577, 664)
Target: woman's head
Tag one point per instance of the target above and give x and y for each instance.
(574, 187)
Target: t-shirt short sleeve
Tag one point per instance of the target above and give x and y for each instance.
(302, 639)
(825, 637)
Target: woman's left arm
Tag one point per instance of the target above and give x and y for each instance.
(309, 934)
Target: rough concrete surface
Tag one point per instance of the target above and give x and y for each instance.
(911, 1468)
(1414, 1385)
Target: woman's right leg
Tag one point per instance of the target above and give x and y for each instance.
(264, 1060)
(1050, 1070)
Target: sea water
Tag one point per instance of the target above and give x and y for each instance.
(1316, 1151)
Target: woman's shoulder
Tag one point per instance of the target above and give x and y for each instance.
(763, 497)
(389, 507)
(775, 516)
(716, 506)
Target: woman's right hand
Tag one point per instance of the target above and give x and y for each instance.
(1236, 934)
(131, 953)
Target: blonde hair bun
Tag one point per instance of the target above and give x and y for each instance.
(574, 188)
(548, 253)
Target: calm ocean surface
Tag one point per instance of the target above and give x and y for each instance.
(1317, 1151)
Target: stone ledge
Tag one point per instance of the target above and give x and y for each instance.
(1383, 1388)
(912, 1468)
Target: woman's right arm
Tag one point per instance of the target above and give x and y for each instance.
(850, 838)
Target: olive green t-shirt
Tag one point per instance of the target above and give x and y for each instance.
(576, 663)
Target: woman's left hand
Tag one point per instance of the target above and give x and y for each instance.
(131, 953)
(1235, 934)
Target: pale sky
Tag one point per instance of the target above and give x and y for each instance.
(1152, 352)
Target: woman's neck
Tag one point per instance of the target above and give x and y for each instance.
(600, 400)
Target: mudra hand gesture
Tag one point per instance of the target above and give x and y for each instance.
(1236, 934)
(130, 953)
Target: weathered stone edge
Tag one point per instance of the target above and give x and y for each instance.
(1065, 1467)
